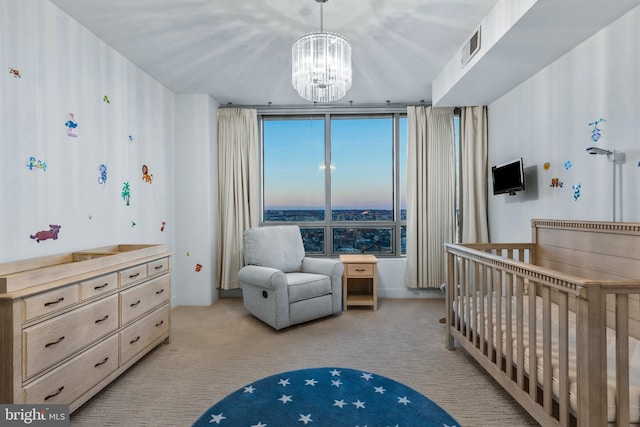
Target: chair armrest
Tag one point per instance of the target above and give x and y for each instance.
(328, 267)
(263, 277)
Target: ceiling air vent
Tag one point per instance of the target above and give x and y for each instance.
(471, 47)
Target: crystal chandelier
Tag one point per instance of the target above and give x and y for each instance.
(321, 65)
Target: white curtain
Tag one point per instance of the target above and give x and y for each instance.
(430, 194)
(474, 172)
(238, 189)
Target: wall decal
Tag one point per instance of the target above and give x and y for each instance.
(188, 254)
(568, 164)
(131, 138)
(14, 72)
(145, 174)
(576, 191)
(596, 132)
(133, 224)
(556, 183)
(126, 192)
(546, 166)
(163, 224)
(106, 99)
(198, 268)
(38, 164)
(71, 125)
(102, 179)
(90, 217)
(51, 233)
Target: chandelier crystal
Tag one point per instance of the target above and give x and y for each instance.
(321, 65)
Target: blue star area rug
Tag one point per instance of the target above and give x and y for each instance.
(331, 397)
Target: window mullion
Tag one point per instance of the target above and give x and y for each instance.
(327, 185)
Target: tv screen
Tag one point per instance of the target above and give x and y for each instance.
(508, 177)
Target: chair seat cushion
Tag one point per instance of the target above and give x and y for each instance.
(303, 286)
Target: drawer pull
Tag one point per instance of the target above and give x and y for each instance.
(103, 319)
(158, 267)
(134, 304)
(360, 270)
(100, 286)
(159, 292)
(106, 359)
(55, 342)
(135, 341)
(54, 394)
(133, 276)
(159, 324)
(59, 300)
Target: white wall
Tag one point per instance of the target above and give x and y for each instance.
(545, 119)
(195, 189)
(65, 69)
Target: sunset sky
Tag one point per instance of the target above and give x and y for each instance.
(361, 159)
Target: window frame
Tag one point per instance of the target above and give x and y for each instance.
(329, 225)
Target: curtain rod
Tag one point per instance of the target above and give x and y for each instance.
(266, 110)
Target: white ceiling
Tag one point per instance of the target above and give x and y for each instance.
(238, 51)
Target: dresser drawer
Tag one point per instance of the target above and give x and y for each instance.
(137, 336)
(365, 270)
(132, 275)
(49, 302)
(48, 342)
(157, 267)
(64, 385)
(94, 287)
(136, 301)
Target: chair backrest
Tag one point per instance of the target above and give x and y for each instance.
(278, 246)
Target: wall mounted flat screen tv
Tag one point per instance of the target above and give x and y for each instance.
(508, 177)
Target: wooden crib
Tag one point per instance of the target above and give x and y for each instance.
(572, 299)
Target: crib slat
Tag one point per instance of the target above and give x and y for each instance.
(533, 345)
(474, 303)
(547, 367)
(509, 325)
(622, 359)
(482, 285)
(490, 316)
(520, 332)
(467, 302)
(497, 276)
(563, 358)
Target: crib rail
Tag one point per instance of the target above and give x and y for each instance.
(506, 311)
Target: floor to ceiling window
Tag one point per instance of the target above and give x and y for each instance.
(339, 178)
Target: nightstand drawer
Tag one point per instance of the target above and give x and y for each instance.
(364, 270)
(49, 302)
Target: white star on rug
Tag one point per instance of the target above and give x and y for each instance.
(336, 383)
(305, 419)
(367, 376)
(404, 400)
(249, 389)
(259, 424)
(285, 399)
(380, 390)
(312, 382)
(217, 418)
(339, 403)
(284, 383)
(358, 404)
(335, 373)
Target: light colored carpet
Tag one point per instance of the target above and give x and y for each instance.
(218, 349)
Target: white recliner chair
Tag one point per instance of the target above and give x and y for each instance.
(283, 287)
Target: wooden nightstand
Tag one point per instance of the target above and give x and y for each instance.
(359, 285)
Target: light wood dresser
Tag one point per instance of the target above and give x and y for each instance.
(72, 323)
